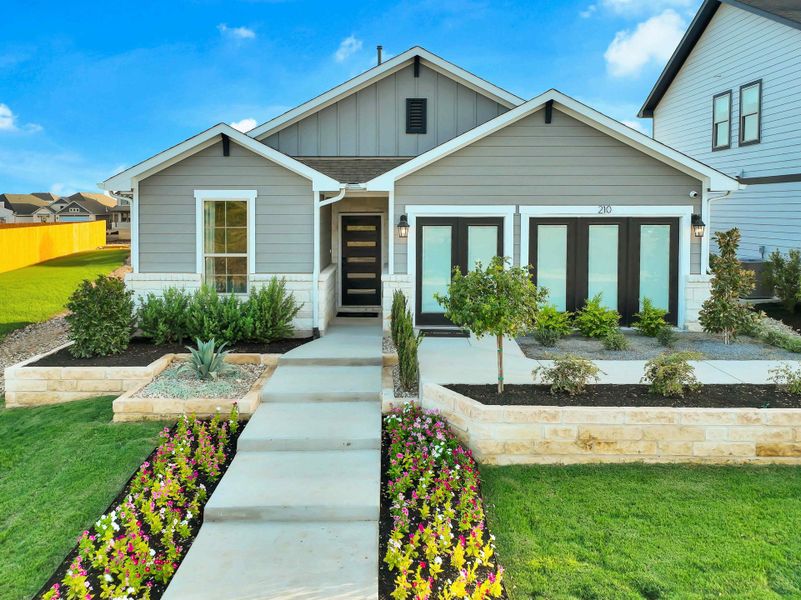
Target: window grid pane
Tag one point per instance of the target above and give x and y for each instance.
(225, 245)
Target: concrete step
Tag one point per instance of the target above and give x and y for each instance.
(341, 485)
(353, 344)
(298, 383)
(287, 561)
(313, 426)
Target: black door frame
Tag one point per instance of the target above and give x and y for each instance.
(459, 229)
(345, 252)
(628, 260)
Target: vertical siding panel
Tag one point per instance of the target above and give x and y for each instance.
(328, 131)
(465, 109)
(272, 141)
(367, 119)
(387, 117)
(406, 87)
(309, 136)
(446, 109)
(288, 140)
(427, 88)
(486, 109)
(347, 126)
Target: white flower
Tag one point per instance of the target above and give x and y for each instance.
(107, 577)
(438, 560)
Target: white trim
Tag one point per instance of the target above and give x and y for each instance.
(507, 212)
(315, 292)
(135, 228)
(385, 253)
(391, 232)
(712, 178)
(684, 213)
(154, 164)
(219, 195)
(377, 73)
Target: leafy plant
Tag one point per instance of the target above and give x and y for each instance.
(101, 319)
(723, 312)
(164, 318)
(210, 316)
(650, 320)
(569, 374)
(406, 342)
(783, 274)
(399, 307)
(615, 340)
(207, 361)
(670, 374)
(776, 333)
(547, 337)
(667, 336)
(596, 321)
(551, 324)
(787, 378)
(269, 312)
(498, 300)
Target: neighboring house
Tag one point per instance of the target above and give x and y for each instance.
(81, 206)
(391, 179)
(25, 205)
(730, 96)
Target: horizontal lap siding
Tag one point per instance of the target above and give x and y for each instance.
(284, 216)
(530, 163)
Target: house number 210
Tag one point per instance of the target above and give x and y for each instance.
(604, 209)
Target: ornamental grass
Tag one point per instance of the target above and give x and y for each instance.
(133, 550)
(438, 546)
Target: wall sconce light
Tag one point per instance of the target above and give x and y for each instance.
(403, 227)
(699, 227)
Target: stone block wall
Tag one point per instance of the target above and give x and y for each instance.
(390, 283)
(695, 293)
(552, 434)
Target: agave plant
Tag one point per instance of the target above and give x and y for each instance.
(208, 360)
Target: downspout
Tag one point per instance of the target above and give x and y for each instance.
(318, 204)
(706, 216)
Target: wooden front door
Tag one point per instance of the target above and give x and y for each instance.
(361, 260)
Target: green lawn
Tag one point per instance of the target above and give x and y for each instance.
(633, 531)
(60, 467)
(38, 292)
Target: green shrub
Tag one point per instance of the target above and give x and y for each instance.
(163, 318)
(270, 311)
(783, 274)
(650, 320)
(207, 361)
(615, 340)
(569, 374)
(547, 337)
(551, 325)
(101, 319)
(596, 321)
(787, 378)
(399, 306)
(670, 374)
(407, 344)
(210, 316)
(667, 336)
(776, 333)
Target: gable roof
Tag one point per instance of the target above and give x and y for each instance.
(717, 180)
(787, 12)
(377, 73)
(92, 209)
(124, 180)
(24, 204)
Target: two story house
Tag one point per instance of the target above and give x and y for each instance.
(391, 179)
(730, 96)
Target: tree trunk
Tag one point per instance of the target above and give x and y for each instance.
(500, 364)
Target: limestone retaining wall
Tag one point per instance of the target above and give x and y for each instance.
(556, 434)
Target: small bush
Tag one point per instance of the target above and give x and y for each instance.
(210, 316)
(615, 340)
(163, 318)
(547, 337)
(776, 333)
(670, 374)
(596, 321)
(783, 274)
(551, 325)
(270, 312)
(569, 374)
(407, 344)
(650, 320)
(787, 378)
(667, 336)
(101, 319)
(207, 361)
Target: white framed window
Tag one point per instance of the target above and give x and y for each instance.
(721, 121)
(74, 209)
(225, 222)
(750, 113)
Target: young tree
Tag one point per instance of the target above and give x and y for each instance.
(497, 300)
(723, 312)
(783, 274)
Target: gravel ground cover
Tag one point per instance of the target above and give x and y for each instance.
(174, 383)
(644, 348)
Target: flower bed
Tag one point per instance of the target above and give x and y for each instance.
(434, 538)
(134, 549)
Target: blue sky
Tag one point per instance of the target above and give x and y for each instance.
(87, 89)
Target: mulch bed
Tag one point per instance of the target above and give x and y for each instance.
(141, 352)
(158, 589)
(777, 311)
(710, 396)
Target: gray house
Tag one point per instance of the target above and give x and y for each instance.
(391, 179)
(730, 96)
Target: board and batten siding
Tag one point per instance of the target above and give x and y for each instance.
(532, 163)
(739, 47)
(284, 215)
(372, 121)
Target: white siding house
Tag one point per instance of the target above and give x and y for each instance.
(729, 49)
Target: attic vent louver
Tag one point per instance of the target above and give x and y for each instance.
(416, 115)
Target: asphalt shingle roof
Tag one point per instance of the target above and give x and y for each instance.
(352, 170)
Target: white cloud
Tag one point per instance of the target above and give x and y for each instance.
(244, 125)
(651, 41)
(635, 8)
(237, 33)
(347, 48)
(8, 121)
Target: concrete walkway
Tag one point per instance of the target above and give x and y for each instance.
(296, 515)
(473, 361)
